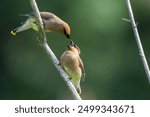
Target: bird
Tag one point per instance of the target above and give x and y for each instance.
(71, 62)
(50, 23)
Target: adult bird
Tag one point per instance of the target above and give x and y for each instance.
(50, 21)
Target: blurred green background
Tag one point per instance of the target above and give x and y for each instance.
(108, 49)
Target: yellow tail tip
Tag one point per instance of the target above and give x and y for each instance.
(13, 33)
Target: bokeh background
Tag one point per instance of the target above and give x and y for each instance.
(108, 49)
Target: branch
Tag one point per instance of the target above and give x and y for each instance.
(138, 41)
(51, 55)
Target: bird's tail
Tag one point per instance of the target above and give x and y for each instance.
(26, 25)
(76, 84)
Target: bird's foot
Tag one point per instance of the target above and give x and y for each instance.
(59, 64)
(70, 78)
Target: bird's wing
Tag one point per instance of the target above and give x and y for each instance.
(82, 68)
(44, 15)
(47, 15)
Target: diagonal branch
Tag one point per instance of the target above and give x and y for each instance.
(50, 53)
(138, 41)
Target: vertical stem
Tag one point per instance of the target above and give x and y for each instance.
(138, 41)
(50, 53)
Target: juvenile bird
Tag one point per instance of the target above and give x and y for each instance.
(50, 21)
(71, 62)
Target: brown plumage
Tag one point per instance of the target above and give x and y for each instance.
(73, 65)
(50, 21)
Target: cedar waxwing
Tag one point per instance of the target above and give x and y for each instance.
(50, 21)
(71, 62)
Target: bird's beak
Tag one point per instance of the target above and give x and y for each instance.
(68, 36)
(71, 45)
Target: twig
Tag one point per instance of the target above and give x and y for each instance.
(138, 41)
(49, 52)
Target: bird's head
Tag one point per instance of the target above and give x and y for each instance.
(73, 47)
